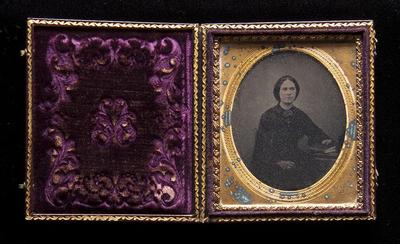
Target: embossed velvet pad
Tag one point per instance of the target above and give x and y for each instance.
(112, 121)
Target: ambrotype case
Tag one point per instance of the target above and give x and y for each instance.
(276, 124)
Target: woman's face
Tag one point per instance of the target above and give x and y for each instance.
(287, 93)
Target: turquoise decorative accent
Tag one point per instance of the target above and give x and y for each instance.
(226, 50)
(352, 130)
(228, 182)
(227, 118)
(225, 82)
(227, 65)
(241, 195)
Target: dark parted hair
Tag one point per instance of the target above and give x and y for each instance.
(279, 83)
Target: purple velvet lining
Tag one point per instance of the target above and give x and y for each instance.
(112, 121)
(364, 31)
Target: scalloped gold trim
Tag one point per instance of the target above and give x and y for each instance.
(274, 219)
(29, 123)
(109, 24)
(216, 126)
(199, 173)
(177, 218)
(196, 217)
(359, 121)
(289, 25)
(203, 122)
(373, 170)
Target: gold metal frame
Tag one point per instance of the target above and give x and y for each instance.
(228, 143)
(224, 146)
(199, 207)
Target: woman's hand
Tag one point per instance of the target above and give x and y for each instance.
(284, 164)
(326, 142)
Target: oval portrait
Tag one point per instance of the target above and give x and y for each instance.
(288, 120)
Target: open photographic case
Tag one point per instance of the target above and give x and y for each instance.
(200, 122)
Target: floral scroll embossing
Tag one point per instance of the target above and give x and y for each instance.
(114, 123)
(163, 186)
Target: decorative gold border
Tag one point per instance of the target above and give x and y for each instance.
(373, 169)
(198, 209)
(237, 76)
(373, 173)
(110, 24)
(216, 128)
(273, 219)
(203, 121)
(289, 25)
(29, 123)
(359, 120)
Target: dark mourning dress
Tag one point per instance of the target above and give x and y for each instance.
(279, 137)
